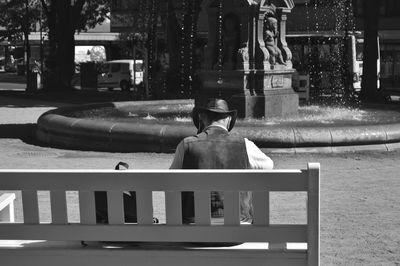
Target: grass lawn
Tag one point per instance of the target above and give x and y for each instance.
(360, 213)
(360, 210)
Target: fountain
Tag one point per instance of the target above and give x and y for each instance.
(248, 63)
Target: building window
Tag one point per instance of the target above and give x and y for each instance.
(390, 65)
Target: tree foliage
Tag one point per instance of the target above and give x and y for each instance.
(13, 18)
(83, 14)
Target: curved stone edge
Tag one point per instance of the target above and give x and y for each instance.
(60, 131)
(335, 149)
(57, 130)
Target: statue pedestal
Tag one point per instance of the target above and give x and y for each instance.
(272, 95)
(224, 84)
(272, 104)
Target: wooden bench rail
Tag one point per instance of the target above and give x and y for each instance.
(230, 182)
(46, 255)
(7, 207)
(172, 180)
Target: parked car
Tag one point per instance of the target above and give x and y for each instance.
(120, 74)
(2, 64)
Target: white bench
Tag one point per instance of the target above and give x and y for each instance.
(160, 243)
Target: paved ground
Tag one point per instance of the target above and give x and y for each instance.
(360, 210)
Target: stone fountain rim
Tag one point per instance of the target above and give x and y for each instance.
(58, 130)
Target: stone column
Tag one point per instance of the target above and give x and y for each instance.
(282, 44)
(263, 54)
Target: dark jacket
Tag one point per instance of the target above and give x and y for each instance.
(214, 148)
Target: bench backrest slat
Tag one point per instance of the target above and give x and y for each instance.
(173, 207)
(87, 210)
(30, 206)
(144, 207)
(261, 208)
(115, 207)
(111, 180)
(202, 207)
(231, 208)
(58, 203)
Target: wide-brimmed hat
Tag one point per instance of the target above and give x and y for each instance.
(213, 105)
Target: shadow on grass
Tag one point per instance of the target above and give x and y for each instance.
(62, 98)
(24, 132)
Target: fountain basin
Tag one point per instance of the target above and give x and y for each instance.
(158, 126)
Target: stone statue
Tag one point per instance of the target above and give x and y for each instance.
(243, 56)
(271, 35)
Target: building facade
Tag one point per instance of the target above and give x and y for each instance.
(389, 34)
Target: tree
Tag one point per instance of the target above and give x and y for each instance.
(369, 88)
(19, 19)
(64, 19)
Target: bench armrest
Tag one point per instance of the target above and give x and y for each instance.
(7, 207)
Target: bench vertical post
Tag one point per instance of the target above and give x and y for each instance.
(173, 207)
(30, 206)
(144, 207)
(261, 208)
(231, 208)
(87, 207)
(115, 207)
(202, 207)
(313, 216)
(58, 207)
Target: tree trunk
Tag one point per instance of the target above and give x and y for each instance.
(60, 63)
(49, 81)
(27, 44)
(65, 55)
(369, 88)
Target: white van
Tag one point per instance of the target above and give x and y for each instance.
(119, 74)
(357, 61)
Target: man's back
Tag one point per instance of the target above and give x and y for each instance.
(215, 148)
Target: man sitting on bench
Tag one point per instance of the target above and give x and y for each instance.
(215, 147)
